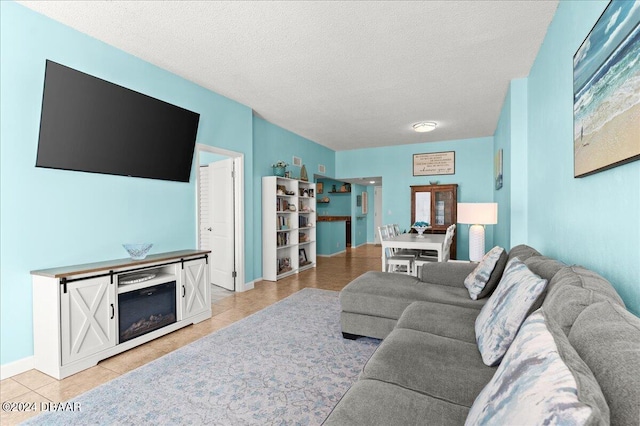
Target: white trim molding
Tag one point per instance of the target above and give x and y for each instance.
(17, 367)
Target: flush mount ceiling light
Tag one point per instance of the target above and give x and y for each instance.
(424, 126)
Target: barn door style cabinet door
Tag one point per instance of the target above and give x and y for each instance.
(195, 292)
(88, 318)
(438, 205)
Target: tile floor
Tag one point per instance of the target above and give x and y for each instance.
(331, 273)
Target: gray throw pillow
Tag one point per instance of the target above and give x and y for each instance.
(541, 381)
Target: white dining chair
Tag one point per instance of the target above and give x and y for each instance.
(419, 261)
(395, 262)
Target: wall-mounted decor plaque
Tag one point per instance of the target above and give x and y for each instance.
(434, 163)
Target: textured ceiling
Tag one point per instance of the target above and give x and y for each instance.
(345, 74)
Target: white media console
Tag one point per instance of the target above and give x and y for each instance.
(83, 314)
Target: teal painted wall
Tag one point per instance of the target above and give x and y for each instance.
(474, 175)
(593, 221)
(502, 196)
(339, 204)
(270, 144)
(516, 165)
(511, 137)
(333, 238)
(53, 218)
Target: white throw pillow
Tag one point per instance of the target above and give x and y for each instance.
(542, 380)
(478, 279)
(500, 318)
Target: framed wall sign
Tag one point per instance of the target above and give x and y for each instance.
(606, 92)
(434, 163)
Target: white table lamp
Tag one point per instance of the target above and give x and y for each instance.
(477, 215)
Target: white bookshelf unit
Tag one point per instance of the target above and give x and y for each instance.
(288, 233)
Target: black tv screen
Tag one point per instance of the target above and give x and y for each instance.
(91, 125)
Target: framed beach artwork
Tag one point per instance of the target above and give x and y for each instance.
(497, 169)
(606, 91)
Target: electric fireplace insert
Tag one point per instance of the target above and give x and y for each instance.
(144, 310)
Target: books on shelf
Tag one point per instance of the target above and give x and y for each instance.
(283, 239)
(284, 222)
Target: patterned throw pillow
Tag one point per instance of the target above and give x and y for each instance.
(500, 318)
(477, 279)
(541, 380)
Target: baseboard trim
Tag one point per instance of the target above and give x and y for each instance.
(14, 368)
(330, 255)
(250, 285)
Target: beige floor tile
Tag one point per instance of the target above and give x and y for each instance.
(25, 406)
(72, 386)
(10, 389)
(130, 360)
(33, 379)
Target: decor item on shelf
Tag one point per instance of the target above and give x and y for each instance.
(477, 215)
(138, 251)
(279, 168)
(292, 207)
(420, 227)
(320, 187)
(434, 182)
(302, 254)
(333, 188)
(303, 174)
(137, 278)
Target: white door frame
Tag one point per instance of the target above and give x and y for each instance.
(377, 212)
(238, 208)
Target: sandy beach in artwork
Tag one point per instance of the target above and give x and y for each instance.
(617, 140)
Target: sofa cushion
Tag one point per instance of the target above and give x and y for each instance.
(387, 295)
(446, 273)
(455, 322)
(607, 338)
(499, 320)
(370, 402)
(544, 267)
(482, 280)
(542, 380)
(522, 252)
(444, 368)
(571, 290)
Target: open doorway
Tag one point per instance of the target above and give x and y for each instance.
(220, 215)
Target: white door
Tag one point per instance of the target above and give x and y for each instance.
(221, 225)
(377, 212)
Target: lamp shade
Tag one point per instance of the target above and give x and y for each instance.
(478, 213)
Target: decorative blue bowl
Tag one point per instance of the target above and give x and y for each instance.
(138, 251)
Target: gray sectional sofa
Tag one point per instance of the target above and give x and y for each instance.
(428, 369)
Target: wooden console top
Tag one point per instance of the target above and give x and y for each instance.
(67, 271)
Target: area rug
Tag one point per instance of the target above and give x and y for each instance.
(286, 364)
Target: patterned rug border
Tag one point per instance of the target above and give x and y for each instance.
(310, 372)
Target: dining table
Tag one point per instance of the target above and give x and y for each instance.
(433, 242)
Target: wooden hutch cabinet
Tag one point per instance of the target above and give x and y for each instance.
(438, 205)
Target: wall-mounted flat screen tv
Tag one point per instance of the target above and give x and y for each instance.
(92, 125)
